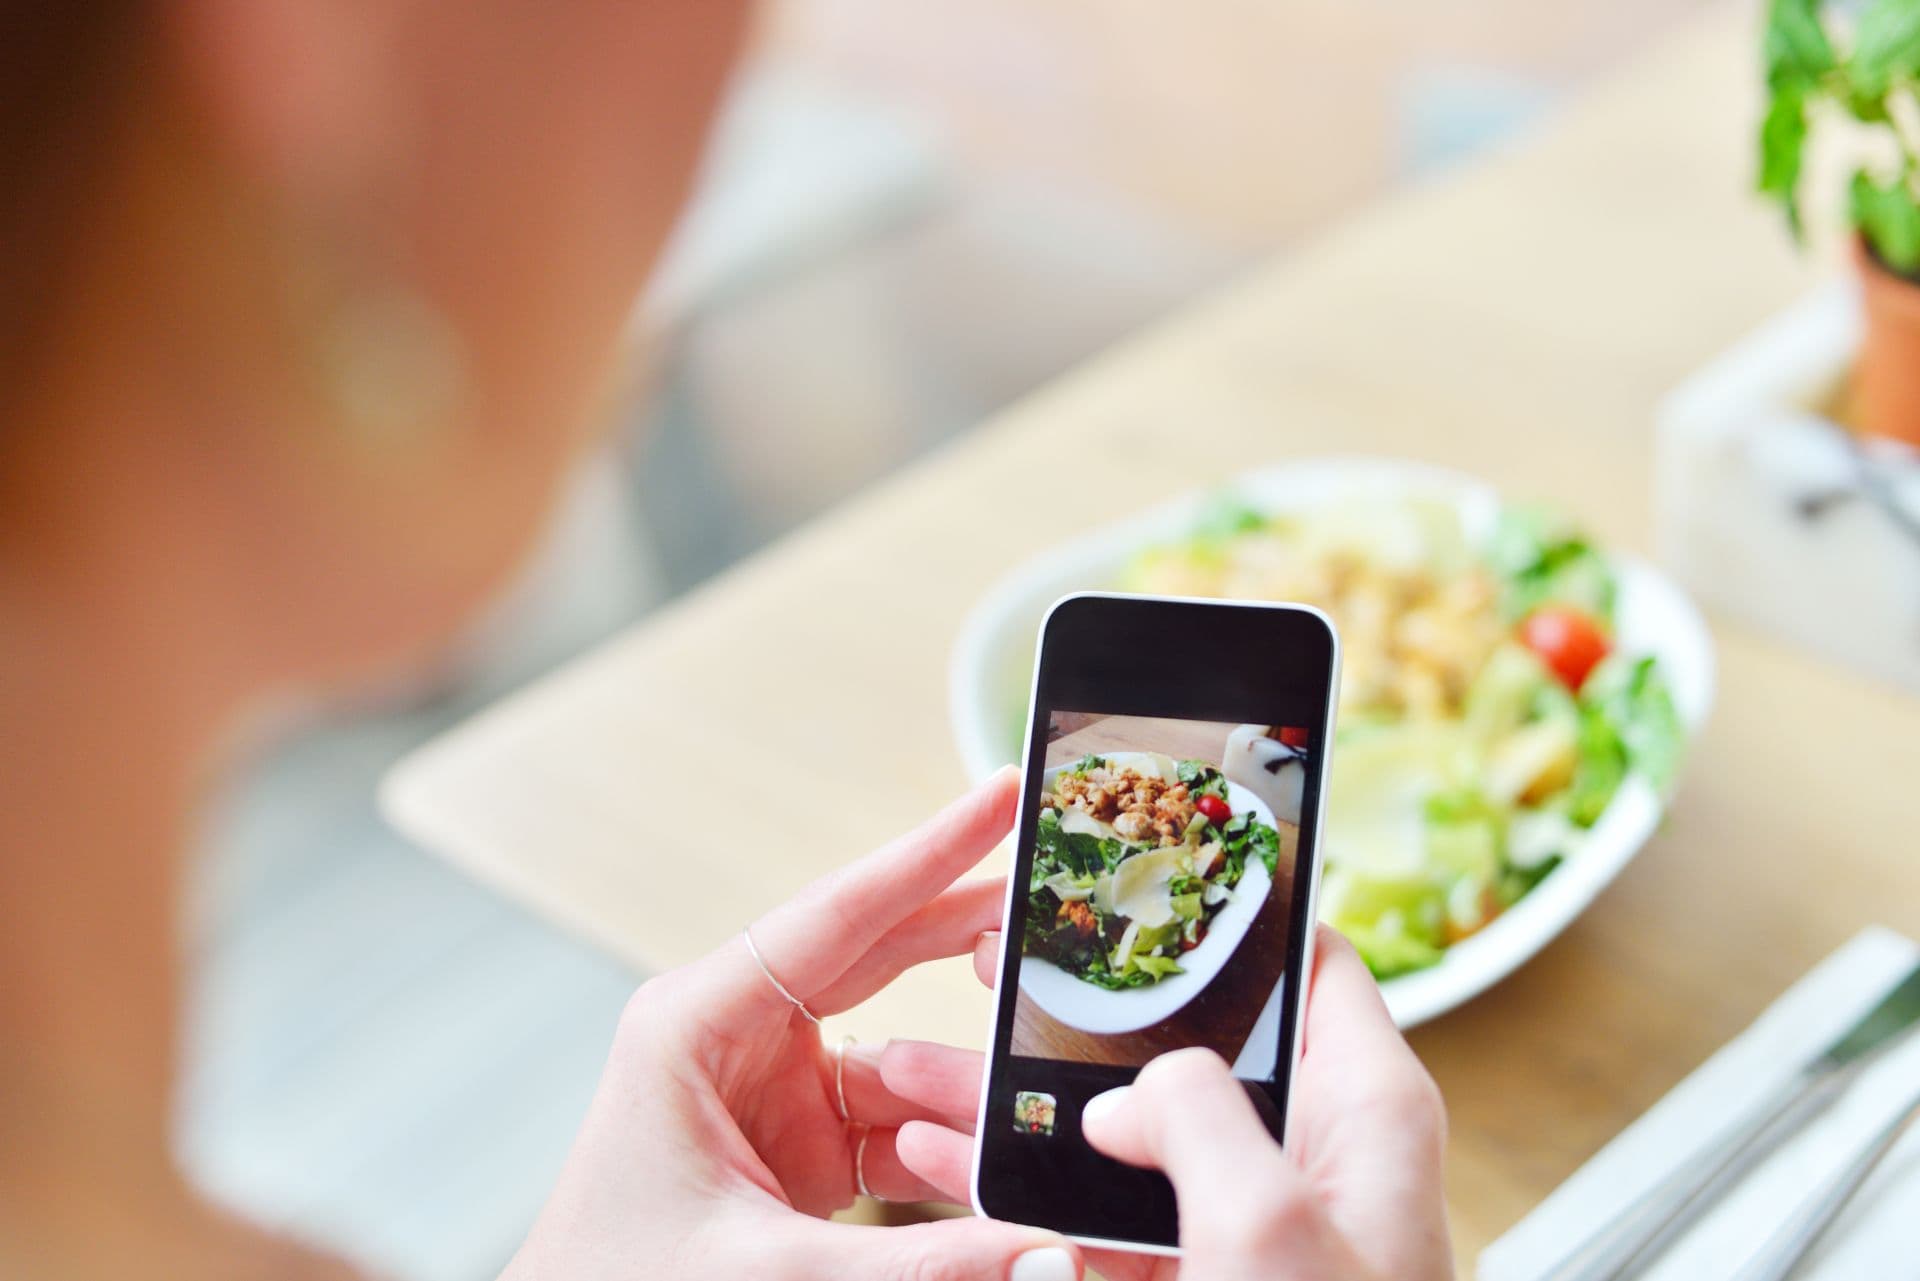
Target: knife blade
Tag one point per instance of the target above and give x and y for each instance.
(1626, 1244)
(1897, 1011)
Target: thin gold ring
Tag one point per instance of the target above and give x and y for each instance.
(840, 1076)
(753, 950)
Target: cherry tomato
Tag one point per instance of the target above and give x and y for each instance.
(1293, 736)
(1567, 641)
(1214, 808)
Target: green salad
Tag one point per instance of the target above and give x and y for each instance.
(1487, 718)
(1133, 858)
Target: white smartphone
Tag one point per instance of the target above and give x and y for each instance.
(1163, 887)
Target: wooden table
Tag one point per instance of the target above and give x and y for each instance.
(1518, 320)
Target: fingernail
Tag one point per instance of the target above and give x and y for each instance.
(1101, 1106)
(1049, 1264)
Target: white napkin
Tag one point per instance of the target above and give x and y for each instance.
(1878, 1235)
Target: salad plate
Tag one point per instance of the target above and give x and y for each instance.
(1485, 789)
(1081, 1004)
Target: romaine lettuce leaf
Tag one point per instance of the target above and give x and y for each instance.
(1544, 561)
(1389, 949)
(1203, 779)
(1635, 699)
(1244, 837)
(1516, 882)
(1156, 967)
(1081, 853)
(1601, 769)
(1465, 836)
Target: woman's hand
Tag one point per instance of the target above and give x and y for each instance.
(715, 1139)
(1354, 1196)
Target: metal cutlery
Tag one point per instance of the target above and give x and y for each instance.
(1634, 1238)
(1783, 1252)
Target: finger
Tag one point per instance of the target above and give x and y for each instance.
(1367, 1107)
(887, 1177)
(909, 1081)
(939, 1078)
(944, 1159)
(951, 925)
(1245, 1210)
(986, 959)
(813, 939)
(1119, 1265)
(1183, 1114)
(1347, 1019)
(939, 1157)
(1186, 1115)
(1364, 1083)
(949, 1250)
(868, 1099)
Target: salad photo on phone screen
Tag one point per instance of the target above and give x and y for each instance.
(1158, 893)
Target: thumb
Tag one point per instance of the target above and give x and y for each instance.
(1245, 1210)
(1186, 1115)
(948, 1250)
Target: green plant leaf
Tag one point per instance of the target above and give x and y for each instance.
(1886, 47)
(1798, 56)
(1783, 136)
(1888, 215)
(1796, 45)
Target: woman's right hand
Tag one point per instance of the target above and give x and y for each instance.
(1354, 1196)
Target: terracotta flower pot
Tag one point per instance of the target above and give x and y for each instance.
(1887, 378)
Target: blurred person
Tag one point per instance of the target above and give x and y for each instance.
(306, 306)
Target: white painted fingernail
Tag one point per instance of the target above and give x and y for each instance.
(1049, 1264)
(1101, 1106)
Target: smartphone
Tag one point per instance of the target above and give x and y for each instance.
(1163, 886)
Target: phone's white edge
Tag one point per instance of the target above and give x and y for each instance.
(1019, 825)
(1318, 861)
(1006, 916)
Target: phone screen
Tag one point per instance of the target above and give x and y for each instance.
(1163, 886)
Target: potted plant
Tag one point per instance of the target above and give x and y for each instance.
(1818, 72)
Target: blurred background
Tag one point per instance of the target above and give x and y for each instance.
(911, 216)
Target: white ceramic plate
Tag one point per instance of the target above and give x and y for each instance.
(992, 669)
(1096, 1009)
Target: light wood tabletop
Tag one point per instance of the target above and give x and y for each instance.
(1519, 319)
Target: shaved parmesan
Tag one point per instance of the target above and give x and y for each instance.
(1073, 820)
(1103, 894)
(1377, 812)
(1140, 884)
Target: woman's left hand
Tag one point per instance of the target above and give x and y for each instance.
(715, 1144)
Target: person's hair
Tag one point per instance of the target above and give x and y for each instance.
(64, 72)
